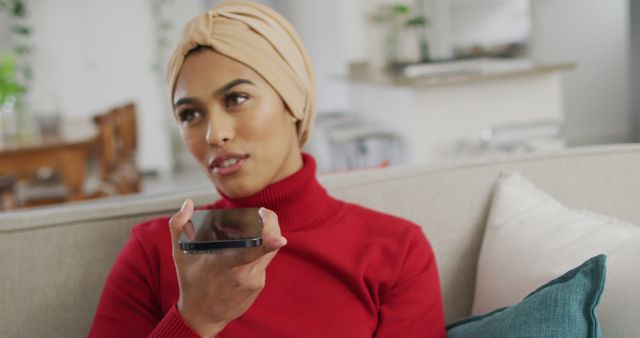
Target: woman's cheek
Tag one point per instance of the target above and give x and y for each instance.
(268, 123)
(252, 129)
(195, 143)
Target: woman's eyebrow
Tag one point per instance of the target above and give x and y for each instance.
(184, 100)
(219, 92)
(222, 90)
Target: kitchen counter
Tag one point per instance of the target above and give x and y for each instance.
(451, 77)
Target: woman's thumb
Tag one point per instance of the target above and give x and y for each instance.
(178, 221)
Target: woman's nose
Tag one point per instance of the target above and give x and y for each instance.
(220, 130)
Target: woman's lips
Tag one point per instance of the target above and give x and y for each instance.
(228, 164)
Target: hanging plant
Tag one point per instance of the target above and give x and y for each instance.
(9, 85)
(16, 74)
(161, 28)
(21, 31)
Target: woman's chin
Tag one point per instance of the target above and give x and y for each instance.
(237, 189)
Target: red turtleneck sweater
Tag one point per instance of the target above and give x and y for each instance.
(346, 271)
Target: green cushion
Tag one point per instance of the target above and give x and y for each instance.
(564, 307)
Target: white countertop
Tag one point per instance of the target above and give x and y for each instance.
(469, 71)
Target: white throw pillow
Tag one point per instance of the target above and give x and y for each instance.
(531, 238)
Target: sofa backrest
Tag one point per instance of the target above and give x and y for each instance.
(55, 260)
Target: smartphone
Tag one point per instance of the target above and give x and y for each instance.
(223, 229)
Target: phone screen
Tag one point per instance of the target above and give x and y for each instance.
(213, 226)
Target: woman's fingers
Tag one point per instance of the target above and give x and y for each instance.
(272, 240)
(181, 222)
(271, 235)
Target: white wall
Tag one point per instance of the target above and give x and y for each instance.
(352, 21)
(635, 65)
(318, 24)
(489, 22)
(465, 23)
(595, 35)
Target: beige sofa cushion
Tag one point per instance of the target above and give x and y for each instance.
(531, 238)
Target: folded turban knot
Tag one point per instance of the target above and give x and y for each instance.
(263, 40)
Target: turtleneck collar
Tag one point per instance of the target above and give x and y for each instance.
(299, 200)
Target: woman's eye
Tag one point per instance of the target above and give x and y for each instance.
(188, 115)
(234, 99)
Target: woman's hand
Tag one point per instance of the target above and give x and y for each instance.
(217, 288)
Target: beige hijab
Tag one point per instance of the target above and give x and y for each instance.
(262, 39)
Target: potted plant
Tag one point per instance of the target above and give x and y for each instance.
(397, 20)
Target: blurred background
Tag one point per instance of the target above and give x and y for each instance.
(84, 109)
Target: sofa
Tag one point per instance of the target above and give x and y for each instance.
(55, 260)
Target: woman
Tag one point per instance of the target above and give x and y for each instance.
(243, 94)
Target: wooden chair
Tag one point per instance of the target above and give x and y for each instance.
(118, 140)
(117, 144)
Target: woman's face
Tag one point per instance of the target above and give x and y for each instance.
(234, 124)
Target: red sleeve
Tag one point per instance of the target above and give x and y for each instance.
(128, 306)
(412, 307)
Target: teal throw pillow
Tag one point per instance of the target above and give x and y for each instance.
(564, 307)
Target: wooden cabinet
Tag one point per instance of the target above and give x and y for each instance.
(434, 115)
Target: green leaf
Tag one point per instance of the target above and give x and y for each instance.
(8, 83)
(401, 9)
(27, 73)
(7, 64)
(19, 9)
(23, 50)
(379, 18)
(22, 30)
(14, 88)
(418, 21)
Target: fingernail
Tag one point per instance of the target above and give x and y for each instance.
(283, 241)
(184, 204)
(261, 213)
